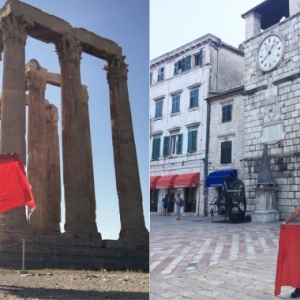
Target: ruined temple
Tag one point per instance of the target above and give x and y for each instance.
(17, 21)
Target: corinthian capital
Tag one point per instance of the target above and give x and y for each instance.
(15, 26)
(116, 68)
(35, 80)
(69, 48)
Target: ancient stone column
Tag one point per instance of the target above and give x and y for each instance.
(13, 104)
(53, 168)
(126, 166)
(37, 159)
(75, 170)
(88, 151)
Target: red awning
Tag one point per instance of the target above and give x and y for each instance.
(153, 181)
(166, 182)
(187, 180)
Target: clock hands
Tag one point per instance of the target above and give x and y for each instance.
(269, 52)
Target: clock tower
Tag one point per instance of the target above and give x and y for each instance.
(272, 106)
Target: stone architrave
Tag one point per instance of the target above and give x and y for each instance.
(89, 155)
(126, 166)
(37, 160)
(75, 170)
(13, 125)
(53, 168)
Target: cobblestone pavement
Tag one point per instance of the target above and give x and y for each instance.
(196, 259)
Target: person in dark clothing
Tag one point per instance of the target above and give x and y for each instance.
(165, 204)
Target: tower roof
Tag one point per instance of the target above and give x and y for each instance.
(271, 12)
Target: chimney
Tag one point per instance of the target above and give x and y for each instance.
(253, 24)
(294, 7)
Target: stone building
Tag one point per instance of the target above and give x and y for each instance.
(180, 81)
(272, 119)
(225, 140)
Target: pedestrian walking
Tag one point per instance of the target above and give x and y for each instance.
(179, 202)
(295, 214)
(165, 202)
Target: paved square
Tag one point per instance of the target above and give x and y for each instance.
(196, 259)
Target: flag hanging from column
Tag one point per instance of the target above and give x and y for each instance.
(288, 258)
(15, 190)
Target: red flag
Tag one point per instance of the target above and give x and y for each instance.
(288, 259)
(15, 190)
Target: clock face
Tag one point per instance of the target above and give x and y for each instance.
(270, 52)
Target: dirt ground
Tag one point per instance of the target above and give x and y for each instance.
(73, 285)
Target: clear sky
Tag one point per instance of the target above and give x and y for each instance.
(174, 23)
(127, 24)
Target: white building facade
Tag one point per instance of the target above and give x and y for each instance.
(180, 81)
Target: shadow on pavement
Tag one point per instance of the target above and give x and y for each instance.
(44, 293)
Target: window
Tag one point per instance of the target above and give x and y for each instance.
(194, 98)
(198, 58)
(155, 148)
(158, 108)
(176, 144)
(172, 145)
(192, 141)
(226, 113)
(182, 65)
(160, 74)
(226, 152)
(175, 103)
(151, 78)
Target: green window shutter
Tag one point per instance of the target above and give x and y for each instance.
(226, 152)
(166, 146)
(226, 113)
(176, 68)
(155, 148)
(200, 57)
(192, 141)
(223, 114)
(179, 144)
(183, 64)
(188, 62)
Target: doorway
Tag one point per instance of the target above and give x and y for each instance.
(153, 200)
(190, 199)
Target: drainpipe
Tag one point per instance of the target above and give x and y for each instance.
(216, 47)
(217, 75)
(206, 158)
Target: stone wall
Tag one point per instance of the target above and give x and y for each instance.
(233, 131)
(284, 82)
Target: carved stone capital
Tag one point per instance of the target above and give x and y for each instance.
(15, 26)
(69, 48)
(51, 113)
(35, 80)
(115, 69)
(35, 76)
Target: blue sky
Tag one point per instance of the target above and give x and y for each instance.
(174, 23)
(127, 24)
